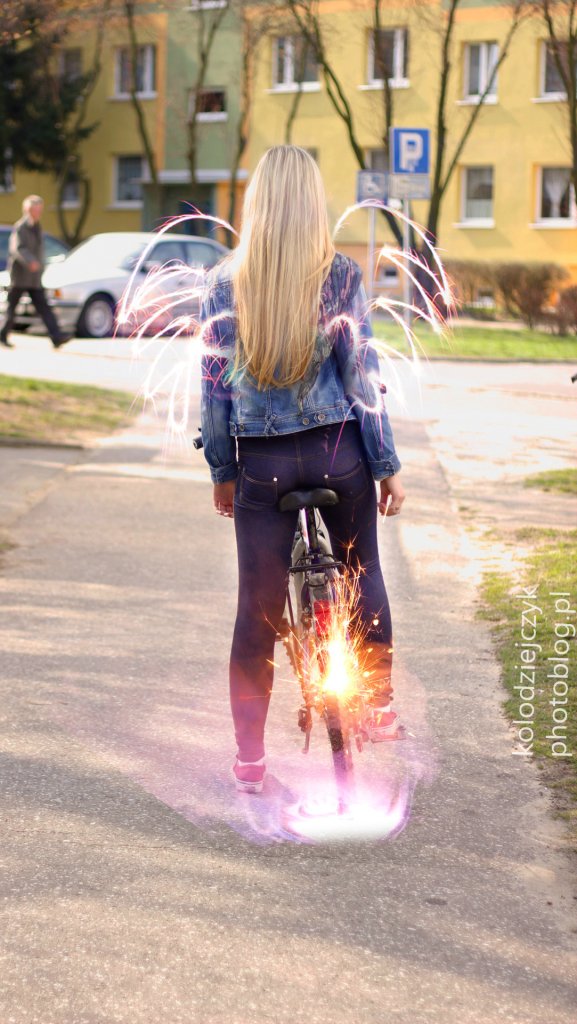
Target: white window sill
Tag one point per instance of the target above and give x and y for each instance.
(128, 205)
(549, 224)
(295, 87)
(550, 97)
(484, 222)
(474, 101)
(121, 97)
(206, 5)
(377, 83)
(216, 115)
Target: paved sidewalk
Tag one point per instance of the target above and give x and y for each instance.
(139, 888)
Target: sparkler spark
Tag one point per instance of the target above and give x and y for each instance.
(161, 314)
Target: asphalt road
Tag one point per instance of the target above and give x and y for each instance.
(138, 886)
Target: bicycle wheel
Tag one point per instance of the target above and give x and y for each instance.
(339, 740)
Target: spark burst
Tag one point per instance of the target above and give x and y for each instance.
(162, 316)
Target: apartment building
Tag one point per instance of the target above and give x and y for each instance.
(510, 195)
(122, 196)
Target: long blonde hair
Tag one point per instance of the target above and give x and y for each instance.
(283, 257)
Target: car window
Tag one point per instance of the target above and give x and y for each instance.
(164, 252)
(199, 254)
(4, 237)
(54, 248)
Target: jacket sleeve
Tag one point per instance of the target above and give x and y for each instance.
(218, 445)
(359, 368)
(19, 249)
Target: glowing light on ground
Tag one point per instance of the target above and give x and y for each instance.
(318, 818)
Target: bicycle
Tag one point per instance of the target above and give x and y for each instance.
(320, 634)
(318, 628)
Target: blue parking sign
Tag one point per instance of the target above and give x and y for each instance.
(410, 149)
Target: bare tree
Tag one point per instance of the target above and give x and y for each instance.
(307, 18)
(560, 17)
(75, 132)
(207, 24)
(381, 62)
(253, 27)
(446, 162)
(129, 7)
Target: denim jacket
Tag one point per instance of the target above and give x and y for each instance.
(341, 382)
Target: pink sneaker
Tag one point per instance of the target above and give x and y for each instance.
(249, 775)
(383, 724)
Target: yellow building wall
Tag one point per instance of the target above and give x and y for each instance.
(116, 134)
(516, 135)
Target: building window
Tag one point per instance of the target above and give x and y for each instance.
(551, 79)
(293, 62)
(557, 198)
(7, 173)
(129, 171)
(211, 105)
(376, 160)
(145, 72)
(71, 190)
(478, 194)
(480, 63)
(388, 56)
(70, 64)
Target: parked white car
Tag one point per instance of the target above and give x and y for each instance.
(87, 286)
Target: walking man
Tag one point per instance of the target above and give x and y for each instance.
(25, 264)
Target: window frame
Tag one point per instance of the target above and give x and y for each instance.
(371, 159)
(72, 204)
(400, 58)
(61, 63)
(206, 5)
(476, 222)
(473, 97)
(209, 116)
(149, 76)
(8, 185)
(290, 85)
(554, 222)
(117, 202)
(547, 97)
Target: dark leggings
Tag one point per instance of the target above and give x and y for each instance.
(269, 467)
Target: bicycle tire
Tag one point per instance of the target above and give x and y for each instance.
(343, 765)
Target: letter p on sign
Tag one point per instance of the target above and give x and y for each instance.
(411, 151)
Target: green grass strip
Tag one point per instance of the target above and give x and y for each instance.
(564, 481)
(48, 412)
(480, 343)
(534, 622)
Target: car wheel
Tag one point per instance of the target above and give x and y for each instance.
(97, 318)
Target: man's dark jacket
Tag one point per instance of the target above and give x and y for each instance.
(26, 246)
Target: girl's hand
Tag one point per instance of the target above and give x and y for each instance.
(392, 496)
(223, 497)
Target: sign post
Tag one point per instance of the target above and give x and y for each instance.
(371, 185)
(409, 179)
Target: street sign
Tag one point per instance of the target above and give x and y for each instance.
(410, 150)
(409, 186)
(371, 185)
(410, 163)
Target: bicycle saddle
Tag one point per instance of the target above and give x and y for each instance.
(315, 498)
